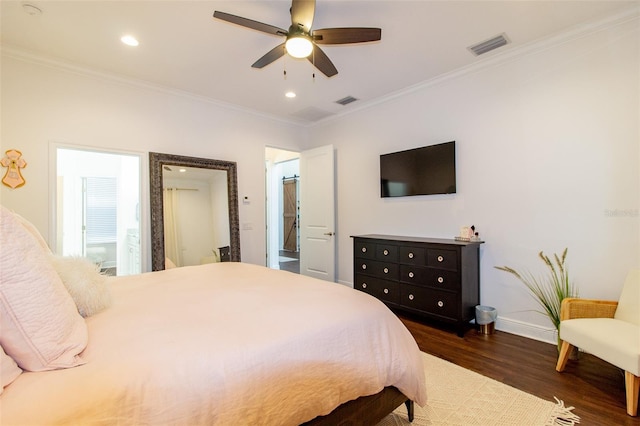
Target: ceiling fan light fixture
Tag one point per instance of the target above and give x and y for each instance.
(299, 46)
(129, 40)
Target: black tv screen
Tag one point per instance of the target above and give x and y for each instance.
(420, 171)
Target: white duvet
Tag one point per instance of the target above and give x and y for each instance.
(223, 344)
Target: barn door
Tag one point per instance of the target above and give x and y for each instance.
(290, 214)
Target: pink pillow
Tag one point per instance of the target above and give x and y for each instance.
(33, 231)
(9, 370)
(41, 327)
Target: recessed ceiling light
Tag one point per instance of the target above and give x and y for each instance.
(182, 170)
(290, 94)
(129, 40)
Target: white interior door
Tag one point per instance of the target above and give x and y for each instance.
(317, 213)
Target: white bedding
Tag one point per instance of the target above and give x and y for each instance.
(223, 344)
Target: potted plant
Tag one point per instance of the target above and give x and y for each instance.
(549, 290)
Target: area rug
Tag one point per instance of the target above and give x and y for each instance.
(461, 397)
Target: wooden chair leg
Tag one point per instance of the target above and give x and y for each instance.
(565, 351)
(632, 384)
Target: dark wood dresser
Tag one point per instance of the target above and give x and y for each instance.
(434, 278)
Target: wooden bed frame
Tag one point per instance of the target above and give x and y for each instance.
(366, 410)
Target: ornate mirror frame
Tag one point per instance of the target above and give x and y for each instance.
(156, 163)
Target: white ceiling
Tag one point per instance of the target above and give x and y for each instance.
(183, 48)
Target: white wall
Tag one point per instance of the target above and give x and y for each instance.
(548, 156)
(42, 103)
(547, 149)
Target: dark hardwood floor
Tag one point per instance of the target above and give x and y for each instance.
(594, 387)
(292, 265)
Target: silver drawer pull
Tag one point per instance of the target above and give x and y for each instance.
(364, 249)
(385, 270)
(386, 291)
(411, 297)
(440, 258)
(410, 255)
(440, 303)
(364, 266)
(364, 285)
(410, 274)
(440, 280)
(385, 252)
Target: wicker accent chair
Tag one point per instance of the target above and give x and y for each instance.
(608, 330)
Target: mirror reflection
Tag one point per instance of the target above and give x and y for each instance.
(194, 211)
(196, 216)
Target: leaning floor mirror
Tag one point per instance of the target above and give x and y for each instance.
(194, 211)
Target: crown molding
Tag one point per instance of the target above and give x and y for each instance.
(70, 67)
(531, 48)
(574, 33)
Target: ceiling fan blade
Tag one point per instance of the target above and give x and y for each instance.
(321, 61)
(302, 12)
(275, 53)
(249, 23)
(346, 35)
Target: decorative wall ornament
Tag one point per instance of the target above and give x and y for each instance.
(14, 162)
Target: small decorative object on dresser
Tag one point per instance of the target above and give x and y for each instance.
(434, 278)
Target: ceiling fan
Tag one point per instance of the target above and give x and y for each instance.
(301, 41)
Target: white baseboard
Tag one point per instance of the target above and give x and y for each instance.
(519, 328)
(345, 283)
(524, 329)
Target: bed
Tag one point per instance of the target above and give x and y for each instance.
(216, 344)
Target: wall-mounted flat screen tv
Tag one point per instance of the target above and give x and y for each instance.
(420, 171)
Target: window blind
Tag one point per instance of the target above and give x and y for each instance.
(101, 210)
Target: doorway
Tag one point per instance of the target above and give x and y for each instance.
(290, 213)
(315, 212)
(97, 208)
(283, 209)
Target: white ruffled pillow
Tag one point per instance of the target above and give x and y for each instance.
(41, 327)
(84, 282)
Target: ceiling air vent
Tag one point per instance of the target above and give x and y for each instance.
(489, 45)
(346, 100)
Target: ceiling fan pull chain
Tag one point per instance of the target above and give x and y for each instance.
(284, 66)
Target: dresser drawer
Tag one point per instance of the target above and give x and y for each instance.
(431, 277)
(388, 291)
(364, 249)
(413, 255)
(386, 252)
(384, 270)
(441, 258)
(442, 303)
(438, 278)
